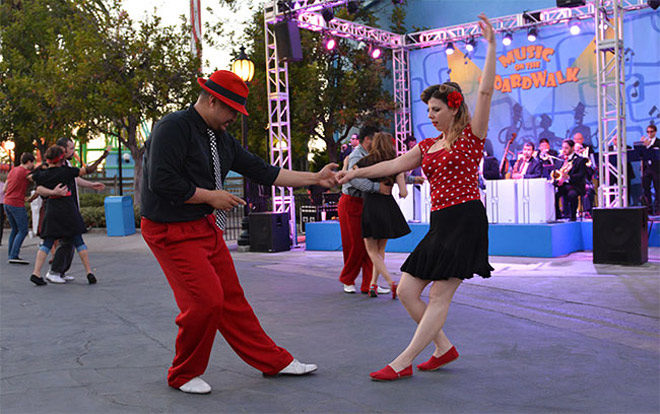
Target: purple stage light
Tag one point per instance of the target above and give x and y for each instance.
(574, 27)
(532, 33)
(376, 53)
(330, 43)
(470, 45)
(506, 40)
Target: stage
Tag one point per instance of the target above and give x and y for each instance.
(524, 240)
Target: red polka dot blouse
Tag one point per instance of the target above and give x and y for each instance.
(453, 175)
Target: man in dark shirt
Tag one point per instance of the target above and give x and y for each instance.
(651, 170)
(187, 156)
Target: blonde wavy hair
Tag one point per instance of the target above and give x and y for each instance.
(462, 117)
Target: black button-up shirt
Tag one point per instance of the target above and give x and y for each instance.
(178, 159)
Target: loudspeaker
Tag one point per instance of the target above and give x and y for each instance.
(620, 235)
(571, 3)
(287, 36)
(269, 232)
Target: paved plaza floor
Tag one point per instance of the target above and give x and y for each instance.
(541, 336)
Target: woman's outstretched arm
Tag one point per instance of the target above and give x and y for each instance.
(485, 93)
(408, 161)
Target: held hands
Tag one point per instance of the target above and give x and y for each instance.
(487, 29)
(345, 176)
(327, 177)
(224, 200)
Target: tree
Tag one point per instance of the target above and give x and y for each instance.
(136, 73)
(85, 68)
(37, 105)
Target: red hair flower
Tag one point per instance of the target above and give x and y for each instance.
(454, 99)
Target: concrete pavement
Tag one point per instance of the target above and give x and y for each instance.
(542, 335)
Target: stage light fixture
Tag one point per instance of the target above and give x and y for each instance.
(470, 45)
(327, 14)
(375, 52)
(330, 43)
(532, 33)
(449, 50)
(571, 3)
(507, 39)
(654, 4)
(353, 6)
(574, 27)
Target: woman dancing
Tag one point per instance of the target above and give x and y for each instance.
(456, 246)
(62, 220)
(381, 216)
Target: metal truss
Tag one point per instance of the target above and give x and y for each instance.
(279, 131)
(514, 22)
(347, 29)
(610, 81)
(282, 8)
(402, 113)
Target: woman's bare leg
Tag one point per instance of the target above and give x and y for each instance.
(433, 316)
(84, 257)
(39, 262)
(382, 243)
(372, 250)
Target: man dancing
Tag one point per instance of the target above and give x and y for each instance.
(187, 157)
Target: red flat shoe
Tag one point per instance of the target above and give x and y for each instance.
(389, 374)
(393, 287)
(437, 362)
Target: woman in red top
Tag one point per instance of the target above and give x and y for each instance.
(456, 246)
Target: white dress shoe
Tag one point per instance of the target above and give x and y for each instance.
(298, 368)
(383, 290)
(349, 288)
(196, 386)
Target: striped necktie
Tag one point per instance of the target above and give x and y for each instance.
(220, 215)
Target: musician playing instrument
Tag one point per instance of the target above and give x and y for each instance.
(570, 180)
(547, 157)
(527, 166)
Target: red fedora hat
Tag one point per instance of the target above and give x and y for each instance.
(227, 87)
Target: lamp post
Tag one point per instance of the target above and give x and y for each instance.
(244, 68)
(9, 147)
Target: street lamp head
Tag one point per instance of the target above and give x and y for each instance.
(243, 67)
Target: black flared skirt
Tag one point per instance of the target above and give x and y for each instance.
(382, 217)
(455, 246)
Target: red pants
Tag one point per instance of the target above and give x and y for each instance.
(200, 270)
(352, 243)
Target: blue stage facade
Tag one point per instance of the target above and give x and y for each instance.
(524, 240)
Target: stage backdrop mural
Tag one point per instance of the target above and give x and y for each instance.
(546, 88)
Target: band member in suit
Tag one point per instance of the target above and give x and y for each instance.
(490, 167)
(547, 157)
(570, 179)
(651, 171)
(527, 166)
